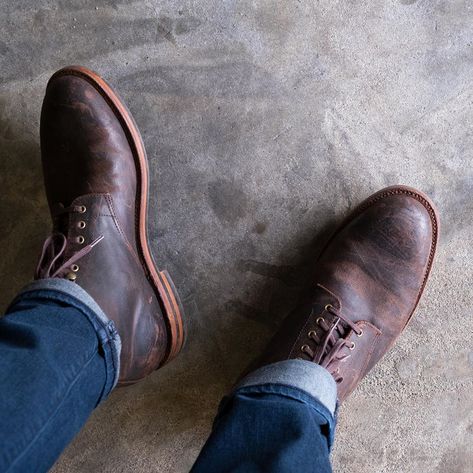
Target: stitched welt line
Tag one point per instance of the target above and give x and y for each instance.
(428, 207)
(397, 191)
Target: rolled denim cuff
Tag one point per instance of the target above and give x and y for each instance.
(303, 375)
(299, 380)
(65, 291)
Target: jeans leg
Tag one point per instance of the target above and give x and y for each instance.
(279, 419)
(55, 368)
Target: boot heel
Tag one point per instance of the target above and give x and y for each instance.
(174, 314)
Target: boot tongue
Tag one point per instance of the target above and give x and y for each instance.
(322, 298)
(60, 219)
(334, 328)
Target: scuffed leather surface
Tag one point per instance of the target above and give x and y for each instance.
(87, 161)
(85, 149)
(373, 269)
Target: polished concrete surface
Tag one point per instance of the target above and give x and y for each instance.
(265, 123)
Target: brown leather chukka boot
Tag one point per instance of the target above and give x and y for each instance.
(96, 178)
(368, 281)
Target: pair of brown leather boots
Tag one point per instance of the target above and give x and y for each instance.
(368, 279)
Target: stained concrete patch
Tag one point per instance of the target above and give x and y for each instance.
(265, 123)
(228, 201)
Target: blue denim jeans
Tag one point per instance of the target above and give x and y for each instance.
(278, 419)
(59, 359)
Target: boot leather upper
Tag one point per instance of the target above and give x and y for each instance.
(88, 164)
(372, 272)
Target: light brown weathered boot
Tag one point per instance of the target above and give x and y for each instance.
(368, 281)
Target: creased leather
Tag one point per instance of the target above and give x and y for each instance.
(87, 161)
(373, 270)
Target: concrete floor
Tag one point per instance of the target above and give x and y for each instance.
(265, 123)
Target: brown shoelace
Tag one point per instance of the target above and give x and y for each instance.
(330, 345)
(55, 246)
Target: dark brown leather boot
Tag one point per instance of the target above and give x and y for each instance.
(368, 281)
(96, 178)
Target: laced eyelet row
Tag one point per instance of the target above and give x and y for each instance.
(57, 260)
(312, 334)
(72, 275)
(81, 224)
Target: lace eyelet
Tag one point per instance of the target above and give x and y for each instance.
(319, 319)
(352, 347)
(71, 276)
(80, 239)
(328, 307)
(82, 209)
(312, 334)
(360, 334)
(75, 268)
(81, 224)
(304, 348)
